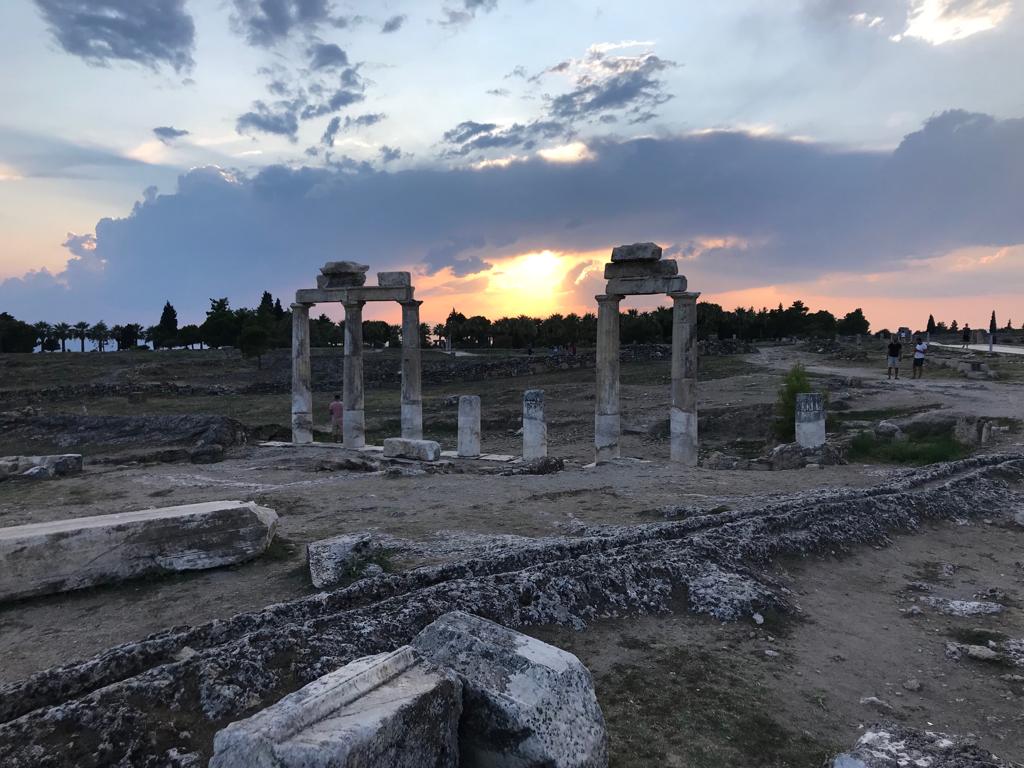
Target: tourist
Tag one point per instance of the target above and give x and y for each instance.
(967, 336)
(337, 411)
(919, 349)
(895, 354)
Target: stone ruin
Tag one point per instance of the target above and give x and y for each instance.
(637, 270)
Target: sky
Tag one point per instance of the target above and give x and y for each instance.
(850, 153)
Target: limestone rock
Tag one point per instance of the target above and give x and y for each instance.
(43, 558)
(718, 460)
(526, 703)
(889, 745)
(394, 279)
(404, 448)
(388, 710)
(635, 286)
(344, 268)
(637, 252)
(787, 456)
(333, 560)
(810, 419)
(668, 268)
(346, 280)
(40, 466)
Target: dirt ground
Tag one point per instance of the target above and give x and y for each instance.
(676, 690)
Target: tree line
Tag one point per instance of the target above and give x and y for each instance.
(269, 326)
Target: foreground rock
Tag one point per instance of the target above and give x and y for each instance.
(43, 558)
(332, 561)
(527, 703)
(893, 746)
(40, 466)
(389, 710)
(418, 450)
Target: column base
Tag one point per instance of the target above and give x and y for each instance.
(607, 431)
(354, 429)
(412, 421)
(683, 436)
(302, 428)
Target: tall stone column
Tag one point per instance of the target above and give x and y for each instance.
(354, 429)
(683, 414)
(412, 376)
(535, 428)
(469, 426)
(606, 418)
(302, 389)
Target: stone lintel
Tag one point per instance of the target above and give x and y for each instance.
(633, 286)
(394, 279)
(668, 268)
(343, 295)
(350, 280)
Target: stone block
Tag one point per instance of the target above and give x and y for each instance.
(343, 268)
(632, 286)
(347, 280)
(333, 560)
(526, 703)
(404, 448)
(389, 710)
(394, 279)
(41, 466)
(669, 268)
(535, 428)
(469, 426)
(637, 252)
(810, 420)
(355, 293)
(43, 558)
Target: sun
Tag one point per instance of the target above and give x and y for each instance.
(530, 284)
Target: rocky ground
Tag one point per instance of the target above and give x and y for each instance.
(849, 626)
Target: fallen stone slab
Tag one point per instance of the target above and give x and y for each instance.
(40, 466)
(889, 745)
(637, 252)
(405, 448)
(526, 703)
(333, 560)
(43, 558)
(389, 710)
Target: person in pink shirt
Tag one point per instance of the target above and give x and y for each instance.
(337, 411)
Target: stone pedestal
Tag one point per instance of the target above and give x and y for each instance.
(535, 429)
(683, 413)
(412, 397)
(405, 448)
(354, 428)
(606, 419)
(302, 390)
(469, 426)
(810, 420)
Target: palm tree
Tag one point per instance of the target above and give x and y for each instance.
(81, 330)
(100, 333)
(63, 332)
(43, 331)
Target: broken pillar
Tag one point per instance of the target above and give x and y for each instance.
(390, 710)
(354, 426)
(43, 558)
(412, 397)
(525, 703)
(810, 419)
(302, 387)
(683, 412)
(333, 560)
(535, 429)
(606, 418)
(403, 448)
(469, 426)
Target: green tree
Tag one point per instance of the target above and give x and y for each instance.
(794, 383)
(221, 327)
(190, 335)
(954, 326)
(44, 332)
(930, 327)
(63, 332)
(254, 341)
(100, 335)
(992, 327)
(853, 323)
(15, 335)
(81, 332)
(167, 328)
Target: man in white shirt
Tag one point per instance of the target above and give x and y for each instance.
(920, 347)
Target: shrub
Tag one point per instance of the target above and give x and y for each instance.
(931, 450)
(795, 382)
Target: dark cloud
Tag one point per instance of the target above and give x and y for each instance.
(350, 91)
(783, 210)
(280, 120)
(390, 154)
(469, 136)
(147, 32)
(267, 22)
(393, 24)
(327, 56)
(167, 134)
(329, 134)
(456, 16)
(519, 71)
(361, 121)
(39, 156)
(619, 83)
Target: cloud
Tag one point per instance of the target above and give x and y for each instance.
(467, 12)
(469, 136)
(30, 155)
(361, 121)
(747, 210)
(281, 119)
(167, 134)
(502, 92)
(943, 21)
(147, 32)
(350, 90)
(390, 154)
(265, 23)
(393, 24)
(327, 56)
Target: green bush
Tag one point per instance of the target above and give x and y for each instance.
(795, 382)
(867, 448)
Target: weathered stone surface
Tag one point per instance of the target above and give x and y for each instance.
(355, 293)
(43, 558)
(469, 426)
(637, 252)
(403, 448)
(636, 286)
(526, 703)
(889, 746)
(669, 268)
(394, 279)
(333, 560)
(341, 280)
(810, 420)
(40, 466)
(390, 710)
(535, 428)
(344, 268)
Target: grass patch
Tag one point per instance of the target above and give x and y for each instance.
(926, 450)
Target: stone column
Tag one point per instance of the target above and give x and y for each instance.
(302, 389)
(810, 420)
(606, 418)
(354, 429)
(683, 413)
(469, 426)
(412, 377)
(535, 429)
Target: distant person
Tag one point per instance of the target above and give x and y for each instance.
(337, 411)
(966, 337)
(893, 357)
(920, 347)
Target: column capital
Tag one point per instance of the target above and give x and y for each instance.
(609, 298)
(411, 302)
(358, 304)
(300, 305)
(691, 295)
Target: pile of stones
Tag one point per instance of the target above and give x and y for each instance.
(40, 467)
(638, 269)
(342, 274)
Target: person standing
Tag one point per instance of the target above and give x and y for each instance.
(920, 347)
(337, 411)
(966, 336)
(894, 355)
